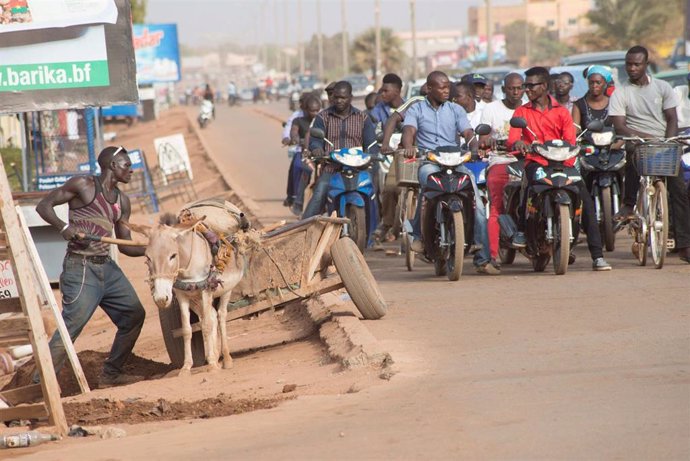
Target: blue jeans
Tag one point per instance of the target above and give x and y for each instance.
(85, 286)
(481, 234)
(317, 203)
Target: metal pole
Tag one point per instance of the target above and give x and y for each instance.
(300, 45)
(489, 36)
(377, 57)
(319, 37)
(527, 32)
(285, 38)
(343, 21)
(276, 48)
(25, 153)
(413, 25)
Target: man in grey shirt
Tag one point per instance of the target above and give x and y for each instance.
(646, 107)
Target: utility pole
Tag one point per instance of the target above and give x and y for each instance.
(413, 25)
(264, 45)
(346, 51)
(285, 38)
(527, 33)
(276, 48)
(489, 36)
(377, 53)
(319, 37)
(300, 45)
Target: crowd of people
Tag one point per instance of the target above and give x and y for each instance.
(446, 113)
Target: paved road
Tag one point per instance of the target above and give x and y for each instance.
(582, 366)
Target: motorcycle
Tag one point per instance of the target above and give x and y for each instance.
(205, 113)
(351, 191)
(603, 167)
(553, 204)
(448, 203)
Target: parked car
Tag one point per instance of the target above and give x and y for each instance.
(308, 82)
(676, 77)
(360, 85)
(413, 87)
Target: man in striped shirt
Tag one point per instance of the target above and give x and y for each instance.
(345, 126)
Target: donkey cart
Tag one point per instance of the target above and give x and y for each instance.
(292, 262)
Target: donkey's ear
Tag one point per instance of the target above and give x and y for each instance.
(190, 224)
(140, 228)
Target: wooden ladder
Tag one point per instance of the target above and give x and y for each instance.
(26, 323)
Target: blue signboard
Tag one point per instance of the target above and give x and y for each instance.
(157, 53)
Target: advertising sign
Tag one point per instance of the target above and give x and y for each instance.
(58, 54)
(172, 154)
(157, 52)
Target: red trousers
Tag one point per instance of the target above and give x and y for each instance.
(496, 180)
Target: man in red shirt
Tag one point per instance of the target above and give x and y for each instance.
(548, 121)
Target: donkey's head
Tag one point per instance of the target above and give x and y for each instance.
(163, 257)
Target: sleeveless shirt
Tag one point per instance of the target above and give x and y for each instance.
(98, 217)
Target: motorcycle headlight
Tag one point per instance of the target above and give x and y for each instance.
(557, 153)
(351, 157)
(449, 158)
(602, 139)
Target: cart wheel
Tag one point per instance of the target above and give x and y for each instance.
(357, 278)
(170, 320)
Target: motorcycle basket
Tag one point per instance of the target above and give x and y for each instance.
(406, 170)
(658, 159)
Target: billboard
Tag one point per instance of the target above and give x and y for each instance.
(58, 54)
(157, 53)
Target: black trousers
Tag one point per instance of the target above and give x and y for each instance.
(677, 198)
(588, 219)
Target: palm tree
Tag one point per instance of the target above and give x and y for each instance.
(138, 11)
(364, 53)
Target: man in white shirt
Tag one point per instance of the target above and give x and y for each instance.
(683, 108)
(464, 94)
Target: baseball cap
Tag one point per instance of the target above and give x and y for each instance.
(479, 79)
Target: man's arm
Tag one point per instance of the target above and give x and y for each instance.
(288, 126)
(316, 144)
(671, 117)
(368, 133)
(294, 134)
(622, 129)
(69, 191)
(388, 130)
(122, 231)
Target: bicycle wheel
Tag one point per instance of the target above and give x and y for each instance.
(640, 228)
(409, 205)
(658, 224)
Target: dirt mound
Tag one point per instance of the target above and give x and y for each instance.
(132, 411)
(92, 364)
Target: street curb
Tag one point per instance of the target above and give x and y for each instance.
(247, 202)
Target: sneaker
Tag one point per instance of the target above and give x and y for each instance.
(624, 214)
(288, 201)
(416, 245)
(600, 264)
(105, 381)
(488, 269)
(519, 240)
(296, 210)
(684, 254)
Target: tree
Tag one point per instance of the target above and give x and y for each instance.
(544, 46)
(620, 24)
(364, 52)
(332, 57)
(138, 11)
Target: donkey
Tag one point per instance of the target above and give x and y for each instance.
(179, 253)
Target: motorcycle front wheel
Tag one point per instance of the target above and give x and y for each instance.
(560, 248)
(456, 253)
(358, 225)
(607, 219)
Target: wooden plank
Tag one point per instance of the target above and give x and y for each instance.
(47, 292)
(23, 394)
(10, 305)
(33, 411)
(13, 338)
(23, 272)
(14, 324)
(324, 241)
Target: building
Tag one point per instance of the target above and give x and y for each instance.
(565, 18)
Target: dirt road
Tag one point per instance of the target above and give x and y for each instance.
(583, 366)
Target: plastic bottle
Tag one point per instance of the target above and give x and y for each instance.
(25, 439)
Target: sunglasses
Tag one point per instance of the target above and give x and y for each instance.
(119, 149)
(530, 86)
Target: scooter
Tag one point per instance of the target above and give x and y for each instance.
(351, 191)
(448, 203)
(604, 172)
(205, 113)
(553, 204)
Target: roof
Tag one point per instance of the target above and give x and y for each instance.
(592, 58)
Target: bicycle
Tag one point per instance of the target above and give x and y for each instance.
(655, 160)
(408, 185)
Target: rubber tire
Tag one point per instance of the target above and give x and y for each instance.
(561, 253)
(642, 248)
(607, 220)
(358, 225)
(169, 318)
(540, 262)
(506, 255)
(660, 197)
(440, 267)
(357, 278)
(456, 260)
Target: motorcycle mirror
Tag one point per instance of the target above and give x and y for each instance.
(483, 129)
(518, 122)
(595, 126)
(317, 133)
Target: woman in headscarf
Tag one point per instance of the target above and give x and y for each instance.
(595, 104)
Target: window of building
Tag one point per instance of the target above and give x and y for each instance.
(550, 23)
(572, 21)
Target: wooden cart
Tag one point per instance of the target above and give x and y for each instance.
(295, 261)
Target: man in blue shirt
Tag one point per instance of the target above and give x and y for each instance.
(437, 122)
(345, 126)
(390, 98)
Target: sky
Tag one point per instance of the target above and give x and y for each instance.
(202, 22)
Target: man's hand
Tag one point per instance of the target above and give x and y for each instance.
(521, 146)
(286, 141)
(317, 153)
(410, 152)
(386, 148)
(69, 234)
